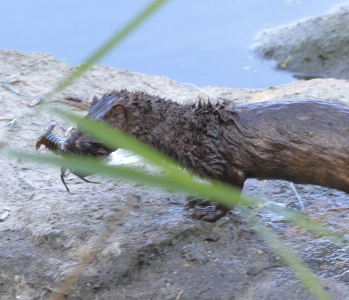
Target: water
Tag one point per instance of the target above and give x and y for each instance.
(203, 42)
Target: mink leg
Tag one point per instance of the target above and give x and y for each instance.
(210, 211)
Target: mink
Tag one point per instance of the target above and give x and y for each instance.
(304, 141)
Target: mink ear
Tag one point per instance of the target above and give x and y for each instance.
(117, 116)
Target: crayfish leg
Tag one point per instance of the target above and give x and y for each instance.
(84, 179)
(62, 178)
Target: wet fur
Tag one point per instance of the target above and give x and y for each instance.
(303, 142)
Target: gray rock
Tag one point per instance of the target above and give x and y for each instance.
(118, 240)
(313, 47)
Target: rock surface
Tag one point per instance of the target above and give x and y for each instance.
(317, 47)
(121, 240)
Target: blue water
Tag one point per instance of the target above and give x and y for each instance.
(204, 42)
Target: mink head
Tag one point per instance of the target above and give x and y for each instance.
(110, 110)
(81, 143)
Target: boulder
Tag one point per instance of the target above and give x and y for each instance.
(313, 47)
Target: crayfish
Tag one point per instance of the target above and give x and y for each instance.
(57, 146)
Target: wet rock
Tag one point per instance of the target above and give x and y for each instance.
(138, 242)
(310, 48)
(195, 251)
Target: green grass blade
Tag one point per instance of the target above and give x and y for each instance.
(288, 256)
(307, 223)
(87, 165)
(225, 194)
(211, 189)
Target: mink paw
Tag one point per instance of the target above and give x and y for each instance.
(206, 211)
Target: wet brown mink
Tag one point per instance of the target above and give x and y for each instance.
(304, 142)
